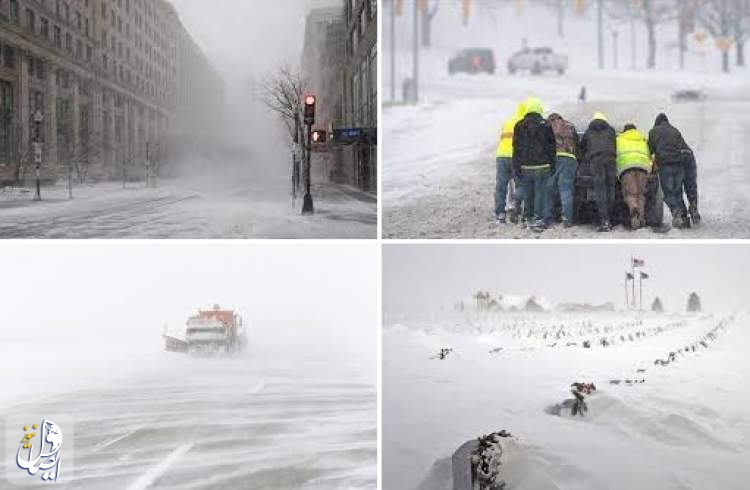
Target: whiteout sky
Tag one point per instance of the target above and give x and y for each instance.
(427, 277)
(245, 40)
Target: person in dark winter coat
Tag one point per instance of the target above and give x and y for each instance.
(534, 163)
(672, 156)
(563, 181)
(598, 148)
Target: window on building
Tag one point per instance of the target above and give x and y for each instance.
(14, 11)
(57, 36)
(30, 20)
(44, 28)
(6, 124)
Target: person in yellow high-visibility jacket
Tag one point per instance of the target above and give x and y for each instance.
(504, 160)
(634, 165)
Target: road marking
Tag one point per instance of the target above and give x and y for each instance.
(156, 471)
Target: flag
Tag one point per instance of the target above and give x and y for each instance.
(638, 262)
(644, 275)
(628, 276)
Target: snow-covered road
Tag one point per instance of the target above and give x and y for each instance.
(438, 157)
(240, 209)
(686, 427)
(219, 423)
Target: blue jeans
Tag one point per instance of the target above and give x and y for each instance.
(501, 184)
(672, 178)
(535, 188)
(564, 182)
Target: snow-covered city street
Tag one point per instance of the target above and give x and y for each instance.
(195, 208)
(439, 156)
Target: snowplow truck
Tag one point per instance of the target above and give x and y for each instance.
(214, 331)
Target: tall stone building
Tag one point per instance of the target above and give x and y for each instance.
(114, 81)
(361, 87)
(339, 63)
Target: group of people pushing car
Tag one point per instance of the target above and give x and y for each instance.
(541, 157)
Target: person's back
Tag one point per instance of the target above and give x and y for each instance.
(599, 147)
(566, 136)
(533, 143)
(672, 156)
(666, 142)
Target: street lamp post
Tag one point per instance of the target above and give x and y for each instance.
(38, 119)
(307, 206)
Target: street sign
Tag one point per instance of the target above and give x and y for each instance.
(354, 135)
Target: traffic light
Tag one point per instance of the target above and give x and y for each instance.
(466, 10)
(319, 136)
(310, 110)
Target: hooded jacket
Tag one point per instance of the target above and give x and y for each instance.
(505, 145)
(533, 141)
(632, 152)
(666, 142)
(598, 145)
(566, 137)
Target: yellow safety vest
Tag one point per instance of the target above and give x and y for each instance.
(632, 152)
(505, 146)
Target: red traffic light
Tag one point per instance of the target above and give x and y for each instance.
(310, 110)
(319, 136)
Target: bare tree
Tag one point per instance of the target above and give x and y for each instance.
(741, 28)
(717, 17)
(428, 14)
(282, 93)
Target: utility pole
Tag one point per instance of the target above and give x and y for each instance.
(615, 48)
(600, 32)
(393, 51)
(633, 54)
(415, 47)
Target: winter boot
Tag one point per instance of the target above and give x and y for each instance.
(500, 219)
(566, 224)
(635, 221)
(605, 226)
(695, 216)
(680, 222)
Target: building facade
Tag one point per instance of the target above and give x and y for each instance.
(339, 63)
(361, 88)
(107, 82)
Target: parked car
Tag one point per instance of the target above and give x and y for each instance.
(472, 61)
(537, 61)
(688, 95)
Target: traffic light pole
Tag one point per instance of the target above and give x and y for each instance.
(307, 206)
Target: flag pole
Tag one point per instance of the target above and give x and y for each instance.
(640, 283)
(627, 300)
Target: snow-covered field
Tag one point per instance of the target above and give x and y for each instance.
(190, 208)
(439, 156)
(686, 426)
(235, 423)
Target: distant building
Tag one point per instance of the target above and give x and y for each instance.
(339, 63)
(112, 80)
